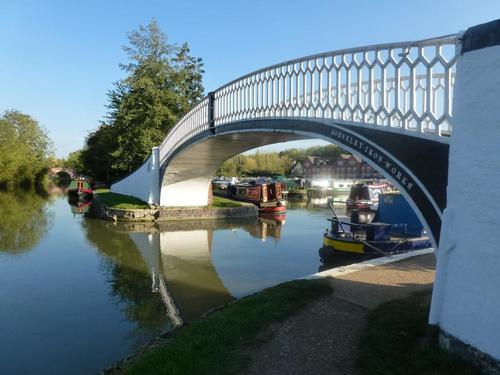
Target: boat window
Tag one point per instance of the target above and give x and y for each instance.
(359, 192)
(375, 192)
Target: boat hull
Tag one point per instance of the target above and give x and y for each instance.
(273, 210)
(80, 194)
(267, 197)
(333, 244)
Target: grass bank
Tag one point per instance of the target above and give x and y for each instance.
(394, 342)
(215, 344)
(114, 200)
(224, 202)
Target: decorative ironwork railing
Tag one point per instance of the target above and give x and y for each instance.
(191, 124)
(406, 85)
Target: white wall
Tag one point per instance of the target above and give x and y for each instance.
(466, 299)
(192, 192)
(144, 183)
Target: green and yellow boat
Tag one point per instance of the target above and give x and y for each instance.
(80, 188)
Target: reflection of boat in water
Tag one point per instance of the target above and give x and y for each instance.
(79, 207)
(79, 188)
(394, 229)
(268, 226)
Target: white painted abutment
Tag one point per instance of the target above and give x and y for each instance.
(466, 298)
(143, 183)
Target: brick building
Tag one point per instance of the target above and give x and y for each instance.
(346, 166)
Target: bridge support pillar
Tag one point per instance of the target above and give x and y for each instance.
(187, 193)
(144, 183)
(466, 300)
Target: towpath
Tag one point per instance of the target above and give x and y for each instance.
(322, 338)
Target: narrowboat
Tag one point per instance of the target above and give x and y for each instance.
(342, 187)
(297, 193)
(80, 188)
(267, 196)
(395, 228)
(365, 195)
(221, 185)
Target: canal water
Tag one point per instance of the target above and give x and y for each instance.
(77, 294)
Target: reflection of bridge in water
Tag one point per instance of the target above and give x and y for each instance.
(178, 258)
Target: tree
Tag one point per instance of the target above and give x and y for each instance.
(75, 161)
(272, 163)
(228, 168)
(163, 81)
(97, 156)
(25, 149)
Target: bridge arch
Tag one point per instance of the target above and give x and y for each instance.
(417, 165)
(52, 172)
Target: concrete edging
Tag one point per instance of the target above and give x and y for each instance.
(101, 211)
(344, 270)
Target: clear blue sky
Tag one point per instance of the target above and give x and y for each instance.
(59, 58)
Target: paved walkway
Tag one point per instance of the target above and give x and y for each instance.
(322, 338)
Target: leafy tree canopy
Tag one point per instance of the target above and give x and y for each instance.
(273, 163)
(25, 149)
(163, 81)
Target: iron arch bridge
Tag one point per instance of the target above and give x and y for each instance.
(389, 104)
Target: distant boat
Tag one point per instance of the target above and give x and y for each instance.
(79, 188)
(394, 229)
(365, 195)
(297, 193)
(341, 186)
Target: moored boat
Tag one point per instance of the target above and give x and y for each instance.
(80, 188)
(365, 195)
(341, 187)
(394, 229)
(267, 196)
(297, 193)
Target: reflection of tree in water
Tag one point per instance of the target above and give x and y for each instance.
(129, 279)
(25, 220)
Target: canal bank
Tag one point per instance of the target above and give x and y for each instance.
(322, 337)
(140, 211)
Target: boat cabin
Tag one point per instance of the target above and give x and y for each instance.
(365, 196)
(79, 184)
(394, 228)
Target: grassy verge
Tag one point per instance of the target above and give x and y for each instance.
(215, 344)
(394, 342)
(224, 202)
(114, 200)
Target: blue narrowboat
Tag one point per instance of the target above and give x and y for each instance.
(395, 228)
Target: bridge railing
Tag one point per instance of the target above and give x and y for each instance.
(192, 123)
(406, 85)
